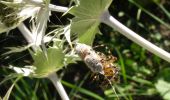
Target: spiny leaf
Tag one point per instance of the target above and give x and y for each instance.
(87, 18)
(67, 35)
(53, 62)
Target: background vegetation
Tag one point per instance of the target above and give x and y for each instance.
(143, 75)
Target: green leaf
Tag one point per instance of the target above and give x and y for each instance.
(164, 74)
(6, 97)
(16, 49)
(9, 77)
(87, 18)
(163, 83)
(46, 65)
(163, 87)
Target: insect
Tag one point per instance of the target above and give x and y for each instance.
(111, 71)
(101, 65)
(90, 57)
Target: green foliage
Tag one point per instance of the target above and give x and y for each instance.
(87, 18)
(9, 77)
(145, 3)
(142, 76)
(84, 91)
(150, 14)
(163, 87)
(7, 95)
(15, 49)
(46, 65)
(163, 83)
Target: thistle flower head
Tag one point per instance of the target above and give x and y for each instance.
(13, 12)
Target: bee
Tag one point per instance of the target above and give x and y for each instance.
(101, 65)
(90, 57)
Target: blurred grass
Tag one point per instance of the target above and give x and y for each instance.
(150, 14)
(84, 91)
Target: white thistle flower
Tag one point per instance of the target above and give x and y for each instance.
(13, 12)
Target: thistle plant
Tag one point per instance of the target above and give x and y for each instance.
(13, 13)
(47, 61)
(88, 17)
